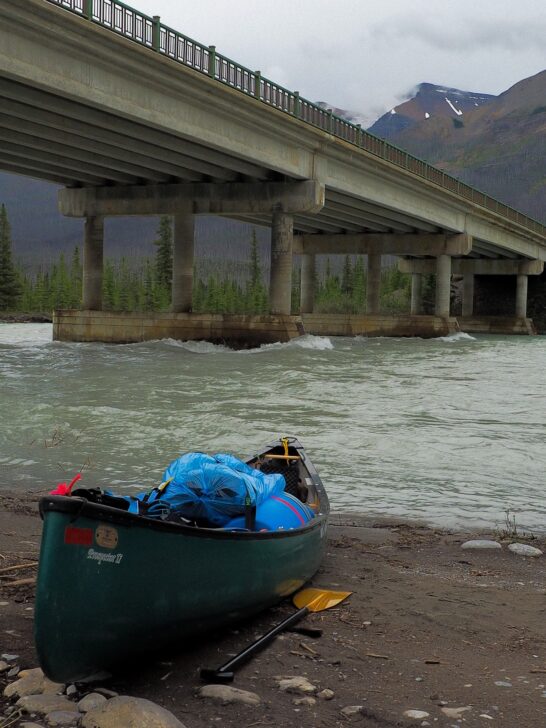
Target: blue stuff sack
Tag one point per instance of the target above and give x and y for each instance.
(214, 488)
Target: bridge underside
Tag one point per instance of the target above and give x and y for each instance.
(126, 131)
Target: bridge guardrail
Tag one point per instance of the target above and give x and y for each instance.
(150, 32)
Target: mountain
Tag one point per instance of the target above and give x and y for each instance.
(428, 102)
(498, 147)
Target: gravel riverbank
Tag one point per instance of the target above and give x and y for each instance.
(455, 637)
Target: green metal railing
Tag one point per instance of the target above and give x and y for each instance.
(150, 32)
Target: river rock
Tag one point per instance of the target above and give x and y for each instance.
(326, 694)
(306, 700)
(523, 549)
(3, 666)
(62, 718)
(349, 710)
(26, 724)
(416, 714)
(456, 712)
(227, 694)
(44, 704)
(90, 702)
(30, 682)
(130, 713)
(299, 685)
(481, 544)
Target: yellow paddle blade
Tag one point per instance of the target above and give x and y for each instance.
(317, 600)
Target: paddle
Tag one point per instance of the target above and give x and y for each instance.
(307, 600)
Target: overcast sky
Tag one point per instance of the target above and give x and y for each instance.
(367, 55)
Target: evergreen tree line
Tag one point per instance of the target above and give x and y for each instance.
(146, 285)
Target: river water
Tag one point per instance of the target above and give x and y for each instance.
(448, 430)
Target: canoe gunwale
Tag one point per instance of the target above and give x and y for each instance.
(81, 508)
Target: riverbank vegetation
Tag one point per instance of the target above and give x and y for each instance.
(220, 286)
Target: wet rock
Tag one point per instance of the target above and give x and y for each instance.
(416, 714)
(90, 702)
(326, 694)
(456, 712)
(523, 549)
(352, 710)
(44, 704)
(306, 701)
(481, 544)
(130, 713)
(62, 718)
(299, 685)
(227, 694)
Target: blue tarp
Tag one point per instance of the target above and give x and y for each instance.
(214, 488)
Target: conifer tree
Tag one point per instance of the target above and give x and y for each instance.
(164, 253)
(10, 288)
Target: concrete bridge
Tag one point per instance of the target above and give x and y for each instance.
(134, 118)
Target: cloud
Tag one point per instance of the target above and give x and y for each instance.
(463, 34)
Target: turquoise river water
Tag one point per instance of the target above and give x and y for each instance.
(448, 430)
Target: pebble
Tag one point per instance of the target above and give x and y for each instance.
(227, 694)
(307, 701)
(523, 549)
(296, 685)
(14, 671)
(416, 714)
(30, 725)
(488, 717)
(71, 690)
(481, 544)
(3, 666)
(326, 694)
(352, 709)
(456, 712)
(503, 684)
(9, 658)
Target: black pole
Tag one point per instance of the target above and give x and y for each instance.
(225, 673)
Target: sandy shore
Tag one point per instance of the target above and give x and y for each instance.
(428, 627)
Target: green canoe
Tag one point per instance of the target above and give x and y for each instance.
(112, 585)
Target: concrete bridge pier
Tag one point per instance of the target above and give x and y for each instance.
(93, 251)
(280, 282)
(183, 255)
(416, 308)
(443, 285)
(373, 289)
(307, 303)
(521, 296)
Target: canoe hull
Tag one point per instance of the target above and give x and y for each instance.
(110, 586)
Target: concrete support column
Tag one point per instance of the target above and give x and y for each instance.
(280, 281)
(521, 296)
(443, 285)
(93, 250)
(416, 294)
(373, 288)
(183, 252)
(468, 294)
(307, 283)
